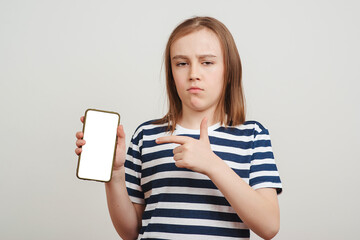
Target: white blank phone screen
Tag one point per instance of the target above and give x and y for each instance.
(97, 154)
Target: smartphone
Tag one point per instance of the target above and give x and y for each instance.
(97, 156)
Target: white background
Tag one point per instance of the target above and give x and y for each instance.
(58, 58)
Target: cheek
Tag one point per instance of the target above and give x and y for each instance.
(218, 90)
(217, 80)
(219, 72)
(178, 83)
(179, 86)
(179, 79)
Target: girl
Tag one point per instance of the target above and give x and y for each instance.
(202, 171)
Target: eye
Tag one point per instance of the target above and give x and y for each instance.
(180, 64)
(207, 63)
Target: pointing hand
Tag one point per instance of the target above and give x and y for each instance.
(192, 153)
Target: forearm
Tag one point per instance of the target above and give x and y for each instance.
(122, 210)
(260, 214)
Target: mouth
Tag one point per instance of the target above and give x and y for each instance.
(195, 90)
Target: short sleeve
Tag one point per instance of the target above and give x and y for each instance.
(133, 169)
(263, 169)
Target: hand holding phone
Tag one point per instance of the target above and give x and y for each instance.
(97, 156)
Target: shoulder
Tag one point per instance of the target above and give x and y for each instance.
(248, 128)
(149, 128)
(257, 127)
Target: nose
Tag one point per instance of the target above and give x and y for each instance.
(194, 72)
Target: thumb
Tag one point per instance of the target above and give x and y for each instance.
(121, 137)
(204, 130)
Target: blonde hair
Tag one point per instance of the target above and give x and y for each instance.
(231, 107)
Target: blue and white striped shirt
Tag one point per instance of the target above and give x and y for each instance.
(183, 204)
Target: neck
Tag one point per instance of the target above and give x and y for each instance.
(191, 119)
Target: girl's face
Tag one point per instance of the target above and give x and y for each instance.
(198, 70)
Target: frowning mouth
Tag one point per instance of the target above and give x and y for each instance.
(195, 90)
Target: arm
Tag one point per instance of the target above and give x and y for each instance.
(258, 209)
(125, 215)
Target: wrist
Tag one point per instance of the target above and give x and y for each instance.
(118, 175)
(216, 167)
(119, 170)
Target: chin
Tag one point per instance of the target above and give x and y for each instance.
(198, 108)
(196, 105)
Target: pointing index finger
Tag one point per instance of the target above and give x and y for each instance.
(172, 139)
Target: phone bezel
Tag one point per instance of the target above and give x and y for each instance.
(83, 130)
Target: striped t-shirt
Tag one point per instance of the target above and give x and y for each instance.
(183, 204)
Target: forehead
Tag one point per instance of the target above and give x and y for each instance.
(200, 42)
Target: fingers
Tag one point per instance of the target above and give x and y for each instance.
(181, 164)
(204, 130)
(80, 143)
(179, 152)
(172, 139)
(78, 151)
(121, 138)
(178, 149)
(121, 132)
(79, 135)
(178, 156)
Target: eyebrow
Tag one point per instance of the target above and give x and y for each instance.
(199, 56)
